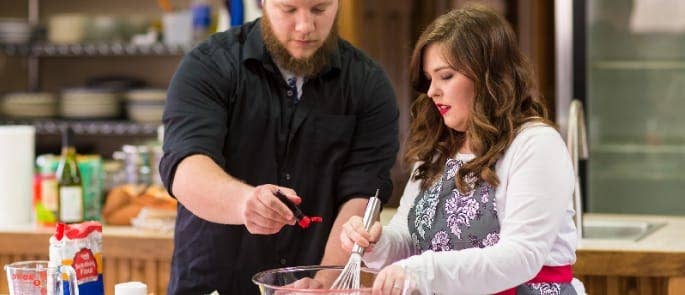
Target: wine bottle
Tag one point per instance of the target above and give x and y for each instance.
(70, 190)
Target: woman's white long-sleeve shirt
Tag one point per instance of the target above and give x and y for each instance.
(536, 223)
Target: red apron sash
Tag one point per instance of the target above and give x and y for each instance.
(548, 274)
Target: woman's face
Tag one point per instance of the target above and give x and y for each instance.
(451, 91)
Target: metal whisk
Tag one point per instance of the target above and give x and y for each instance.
(349, 278)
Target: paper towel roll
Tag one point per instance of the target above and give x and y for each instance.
(16, 174)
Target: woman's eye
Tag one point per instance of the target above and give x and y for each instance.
(318, 10)
(446, 77)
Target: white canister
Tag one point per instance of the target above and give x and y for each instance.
(178, 28)
(17, 145)
(130, 288)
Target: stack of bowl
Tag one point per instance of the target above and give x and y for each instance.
(145, 105)
(90, 103)
(29, 105)
(14, 31)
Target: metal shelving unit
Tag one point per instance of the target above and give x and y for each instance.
(35, 51)
(88, 127)
(85, 127)
(43, 49)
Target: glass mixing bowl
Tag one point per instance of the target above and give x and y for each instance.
(287, 281)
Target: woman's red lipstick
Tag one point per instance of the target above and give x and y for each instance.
(442, 108)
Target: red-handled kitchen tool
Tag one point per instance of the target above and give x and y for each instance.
(303, 221)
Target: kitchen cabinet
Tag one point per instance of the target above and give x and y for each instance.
(129, 254)
(654, 264)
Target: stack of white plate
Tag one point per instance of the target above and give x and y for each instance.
(89, 103)
(14, 30)
(29, 105)
(145, 105)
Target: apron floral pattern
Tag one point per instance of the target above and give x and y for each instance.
(444, 219)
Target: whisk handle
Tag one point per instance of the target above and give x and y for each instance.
(370, 215)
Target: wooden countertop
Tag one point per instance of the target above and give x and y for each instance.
(108, 230)
(657, 261)
(118, 241)
(668, 239)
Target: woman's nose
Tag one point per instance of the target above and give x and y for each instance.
(433, 91)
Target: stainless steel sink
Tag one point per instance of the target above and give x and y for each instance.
(619, 229)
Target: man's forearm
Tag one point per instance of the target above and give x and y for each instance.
(208, 191)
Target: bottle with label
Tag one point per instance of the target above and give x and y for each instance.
(202, 19)
(70, 189)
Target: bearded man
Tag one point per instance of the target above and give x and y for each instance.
(278, 104)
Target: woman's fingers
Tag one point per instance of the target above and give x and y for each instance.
(390, 280)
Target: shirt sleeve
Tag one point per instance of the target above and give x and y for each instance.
(395, 242)
(375, 143)
(196, 112)
(538, 190)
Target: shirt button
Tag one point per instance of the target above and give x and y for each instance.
(290, 93)
(287, 176)
(283, 261)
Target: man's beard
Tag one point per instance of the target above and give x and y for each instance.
(307, 66)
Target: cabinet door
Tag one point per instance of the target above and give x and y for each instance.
(635, 88)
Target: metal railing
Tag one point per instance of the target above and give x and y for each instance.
(576, 142)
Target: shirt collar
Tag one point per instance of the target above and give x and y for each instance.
(254, 49)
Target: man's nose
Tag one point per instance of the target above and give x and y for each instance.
(304, 23)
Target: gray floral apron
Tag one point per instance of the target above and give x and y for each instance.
(443, 219)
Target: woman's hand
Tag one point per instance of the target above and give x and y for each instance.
(264, 213)
(353, 232)
(390, 280)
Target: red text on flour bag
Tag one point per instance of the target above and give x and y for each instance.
(85, 266)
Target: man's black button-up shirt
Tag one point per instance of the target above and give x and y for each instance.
(229, 101)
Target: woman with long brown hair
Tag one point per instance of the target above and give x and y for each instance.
(488, 206)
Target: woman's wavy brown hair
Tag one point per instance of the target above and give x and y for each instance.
(481, 45)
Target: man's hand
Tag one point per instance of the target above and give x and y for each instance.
(353, 232)
(264, 214)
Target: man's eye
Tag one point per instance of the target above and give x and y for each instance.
(318, 10)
